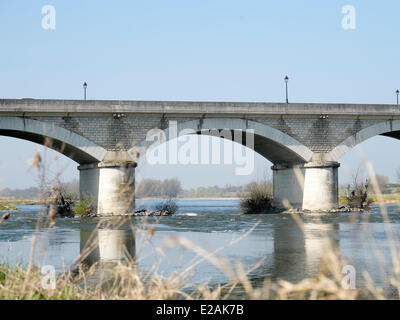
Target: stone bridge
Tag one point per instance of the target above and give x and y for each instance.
(303, 141)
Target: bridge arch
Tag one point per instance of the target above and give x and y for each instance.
(389, 128)
(274, 145)
(74, 146)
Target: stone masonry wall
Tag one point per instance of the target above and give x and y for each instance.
(321, 135)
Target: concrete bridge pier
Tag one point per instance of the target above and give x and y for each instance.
(321, 190)
(310, 186)
(110, 186)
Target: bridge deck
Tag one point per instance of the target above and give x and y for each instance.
(26, 106)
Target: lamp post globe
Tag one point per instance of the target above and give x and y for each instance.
(84, 90)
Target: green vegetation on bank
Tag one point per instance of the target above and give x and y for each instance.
(83, 207)
(19, 283)
(360, 193)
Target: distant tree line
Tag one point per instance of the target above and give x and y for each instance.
(168, 188)
(383, 182)
(70, 189)
(172, 188)
(29, 193)
(228, 191)
(147, 188)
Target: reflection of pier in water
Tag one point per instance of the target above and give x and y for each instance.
(297, 253)
(107, 244)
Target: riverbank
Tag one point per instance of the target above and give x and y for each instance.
(11, 203)
(387, 199)
(382, 199)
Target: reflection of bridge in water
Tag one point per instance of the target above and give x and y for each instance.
(107, 245)
(299, 252)
(296, 253)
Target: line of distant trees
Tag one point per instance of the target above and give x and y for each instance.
(168, 188)
(172, 188)
(29, 193)
(147, 188)
(383, 183)
(70, 189)
(228, 191)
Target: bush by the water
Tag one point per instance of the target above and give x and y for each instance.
(84, 206)
(259, 199)
(356, 195)
(169, 207)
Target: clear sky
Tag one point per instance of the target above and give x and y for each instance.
(213, 50)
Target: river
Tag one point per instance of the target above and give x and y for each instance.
(286, 251)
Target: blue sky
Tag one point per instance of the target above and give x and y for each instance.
(200, 50)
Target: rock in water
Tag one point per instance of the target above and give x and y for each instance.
(151, 213)
(5, 217)
(59, 211)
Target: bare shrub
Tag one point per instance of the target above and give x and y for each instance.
(259, 198)
(356, 195)
(168, 207)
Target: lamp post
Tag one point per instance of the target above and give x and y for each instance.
(84, 90)
(397, 93)
(286, 82)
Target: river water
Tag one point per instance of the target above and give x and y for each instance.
(285, 250)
